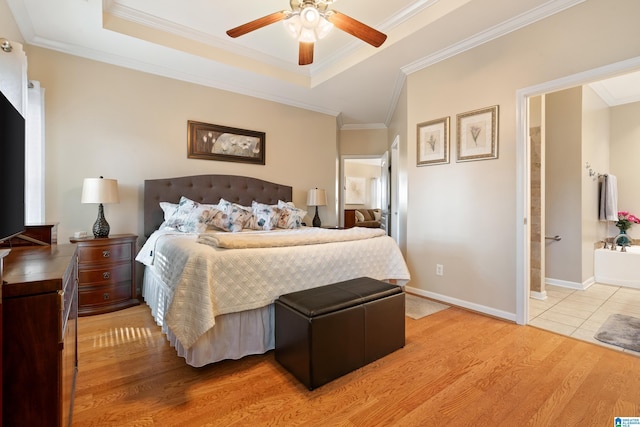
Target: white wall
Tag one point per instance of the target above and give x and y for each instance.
(131, 126)
(463, 215)
(8, 27)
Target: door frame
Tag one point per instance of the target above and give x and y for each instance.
(342, 179)
(523, 169)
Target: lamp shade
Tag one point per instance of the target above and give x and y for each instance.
(100, 190)
(316, 197)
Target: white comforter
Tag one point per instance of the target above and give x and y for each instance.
(208, 281)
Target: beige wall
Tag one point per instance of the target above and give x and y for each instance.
(577, 129)
(131, 126)
(363, 142)
(463, 215)
(625, 155)
(563, 192)
(596, 131)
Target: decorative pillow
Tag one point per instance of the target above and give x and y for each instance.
(168, 209)
(190, 216)
(235, 216)
(359, 216)
(290, 217)
(263, 217)
(367, 214)
(377, 214)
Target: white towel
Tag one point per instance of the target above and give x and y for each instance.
(608, 198)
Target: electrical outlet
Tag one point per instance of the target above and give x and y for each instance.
(439, 270)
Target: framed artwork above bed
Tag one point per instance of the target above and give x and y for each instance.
(227, 144)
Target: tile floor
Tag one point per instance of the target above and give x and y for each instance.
(579, 314)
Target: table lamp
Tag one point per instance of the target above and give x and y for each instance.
(100, 190)
(316, 197)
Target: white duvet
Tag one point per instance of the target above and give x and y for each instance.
(206, 281)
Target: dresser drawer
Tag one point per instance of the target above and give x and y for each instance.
(104, 295)
(104, 253)
(105, 275)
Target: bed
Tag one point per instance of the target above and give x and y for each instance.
(212, 292)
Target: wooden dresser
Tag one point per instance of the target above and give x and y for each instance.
(106, 273)
(39, 333)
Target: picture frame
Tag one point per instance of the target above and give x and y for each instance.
(477, 134)
(433, 142)
(223, 143)
(354, 190)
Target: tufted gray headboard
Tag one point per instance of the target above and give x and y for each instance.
(207, 189)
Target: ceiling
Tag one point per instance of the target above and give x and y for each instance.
(349, 79)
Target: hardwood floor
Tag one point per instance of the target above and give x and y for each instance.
(458, 369)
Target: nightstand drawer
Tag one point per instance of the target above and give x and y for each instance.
(104, 253)
(106, 274)
(104, 295)
(109, 274)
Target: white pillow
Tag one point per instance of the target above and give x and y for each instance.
(377, 215)
(235, 216)
(359, 216)
(190, 216)
(263, 217)
(168, 209)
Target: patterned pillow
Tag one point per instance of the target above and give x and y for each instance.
(168, 209)
(290, 216)
(263, 217)
(190, 216)
(234, 218)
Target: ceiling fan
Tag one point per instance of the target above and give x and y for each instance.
(309, 21)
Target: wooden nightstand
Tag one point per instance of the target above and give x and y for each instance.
(106, 273)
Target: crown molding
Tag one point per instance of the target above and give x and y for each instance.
(548, 9)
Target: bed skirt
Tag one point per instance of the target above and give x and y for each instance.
(234, 335)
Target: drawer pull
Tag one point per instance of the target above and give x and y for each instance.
(106, 254)
(105, 296)
(106, 275)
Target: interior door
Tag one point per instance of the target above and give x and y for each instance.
(394, 214)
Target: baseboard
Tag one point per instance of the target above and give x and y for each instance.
(570, 285)
(538, 295)
(462, 303)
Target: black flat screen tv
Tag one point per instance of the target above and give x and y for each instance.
(12, 170)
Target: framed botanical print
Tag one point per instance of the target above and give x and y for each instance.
(477, 134)
(433, 142)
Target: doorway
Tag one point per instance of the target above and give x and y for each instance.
(523, 155)
(364, 174)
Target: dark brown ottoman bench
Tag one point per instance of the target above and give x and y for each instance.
(323, 333)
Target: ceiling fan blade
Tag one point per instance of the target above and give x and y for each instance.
(257, 24)
(356, 28)
(305, 53)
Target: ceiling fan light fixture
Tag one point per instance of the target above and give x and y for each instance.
(308, 25)
(323, 28)
(310, 16)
